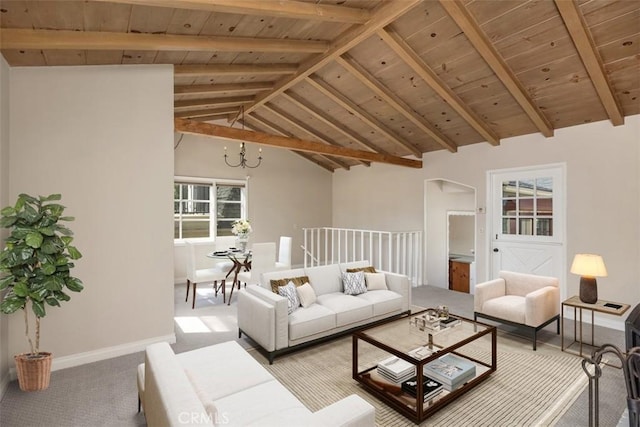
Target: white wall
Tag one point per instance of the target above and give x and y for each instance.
(286, 193)
(103, 138)
(603, 194)
(4, 201)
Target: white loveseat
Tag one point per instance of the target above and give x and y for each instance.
(263, 315)
(525, 300)
(223, 385)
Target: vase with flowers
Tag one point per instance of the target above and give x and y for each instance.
(241, 228)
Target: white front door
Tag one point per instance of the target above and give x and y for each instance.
(528, 221)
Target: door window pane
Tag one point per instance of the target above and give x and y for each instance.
(527, 207)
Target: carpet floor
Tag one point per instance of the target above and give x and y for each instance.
(527, 389)
(104, 393)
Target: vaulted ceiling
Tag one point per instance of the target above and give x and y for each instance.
(349, 82)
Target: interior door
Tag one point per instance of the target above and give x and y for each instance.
(528, 220)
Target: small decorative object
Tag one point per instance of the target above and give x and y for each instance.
(35, 266)
(427, 322)
(588, 266)
(443, 312)
(242, 229)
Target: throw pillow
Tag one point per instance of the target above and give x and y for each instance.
(368, 269)
(354, 283)
(375, 281)
(289, 292)
(306, 294)
(298, 281)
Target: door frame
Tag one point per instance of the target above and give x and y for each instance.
(562, 218)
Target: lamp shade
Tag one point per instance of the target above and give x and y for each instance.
(589, 265)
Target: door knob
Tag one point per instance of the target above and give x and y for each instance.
(496, 250)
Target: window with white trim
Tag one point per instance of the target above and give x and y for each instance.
(207, 208)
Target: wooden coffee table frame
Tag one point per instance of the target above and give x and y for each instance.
(403, 403)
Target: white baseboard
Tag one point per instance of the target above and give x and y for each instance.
(101, 354)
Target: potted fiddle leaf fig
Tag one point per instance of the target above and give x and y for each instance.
(35, 272)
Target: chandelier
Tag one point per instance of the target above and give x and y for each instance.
(243, 162)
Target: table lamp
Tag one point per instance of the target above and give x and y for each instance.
(588, 266)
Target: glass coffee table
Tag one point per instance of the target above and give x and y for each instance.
(407, 357)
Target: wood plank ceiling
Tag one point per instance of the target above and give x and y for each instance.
(349, 82)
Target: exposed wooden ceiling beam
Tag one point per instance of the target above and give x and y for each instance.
(574, 21)
(413, 60)
(210, 117)
(206, 112)
(394, 101)
(331, 122)
(303, 127)
(224, 87)
(272, 127)
(485, 48)
(280, 8)
(383, 15)
(214, 102)
(207, 129)
(233, 69)
(11, 38)
(361, 114)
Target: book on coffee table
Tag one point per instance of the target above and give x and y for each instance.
(451, 370)
(430, 387)
(396, 369)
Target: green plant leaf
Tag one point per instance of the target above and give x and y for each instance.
(52, 302)
(53, 283)
(66, 239)
(63, 230)
(34, 239)
(51, 197)
(67, 218)
(8, 211)
(61, 296)
(29, 214)
(51, 245)
(8, 221)
(55, 210)
(74, 253)
(48, 269)
(6, 281)
(12, 303)
(38, 308)
(47, 231)
(74, 284)
(25, 198)
(21, 289)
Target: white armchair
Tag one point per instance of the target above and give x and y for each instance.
(519, 299)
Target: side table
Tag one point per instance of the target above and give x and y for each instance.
(601, 306)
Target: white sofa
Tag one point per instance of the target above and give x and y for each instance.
(525, 300)
(223, 385)
(263, 315)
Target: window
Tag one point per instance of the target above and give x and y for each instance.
(527, 207)
(206, 208)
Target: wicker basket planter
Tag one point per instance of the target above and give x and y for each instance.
(34, 370)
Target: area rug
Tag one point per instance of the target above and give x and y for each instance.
(528, 389)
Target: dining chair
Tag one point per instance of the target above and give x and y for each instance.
(263, 259)
(284, 253)
(224, 243)
(199, 275)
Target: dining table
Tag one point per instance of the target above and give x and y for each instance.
(240, 259)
